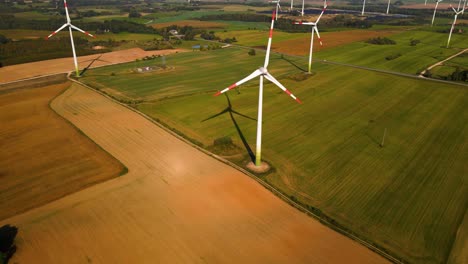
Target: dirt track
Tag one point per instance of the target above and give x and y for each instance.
(33, 69)
(176, 205)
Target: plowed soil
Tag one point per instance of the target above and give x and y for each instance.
(42, 156)
(301, 46)
(33, 69)
(176, 205)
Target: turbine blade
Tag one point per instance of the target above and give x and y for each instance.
(234, 85)
(267, 56)
(318, 35)
(56, 31)
(77, 28)
(305, 23)
(272, 79)
(66, 10)
(323, 11)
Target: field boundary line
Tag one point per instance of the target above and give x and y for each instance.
(266, 185)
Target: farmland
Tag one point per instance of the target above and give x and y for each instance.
(43, 157)
(175, 205)
(430, 50)
(408, 196)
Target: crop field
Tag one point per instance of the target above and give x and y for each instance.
(408, 196)
(175, 205)
(409, 59)
(43, 157)
(301, 46)
(192, 23)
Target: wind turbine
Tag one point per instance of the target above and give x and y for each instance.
(363, 7)
(388, 6)
(261, 72)
(454, 22)
(292, 3)
(425, 2)
(435, 10)
(314, 29)
(302, 12)
(278, 7)
(70, 26)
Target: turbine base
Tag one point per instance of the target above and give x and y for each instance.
(263, 168)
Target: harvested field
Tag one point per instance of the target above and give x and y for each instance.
(29, 70)
(43, 157)
(301, 46)
(176, 205)
(192, 23)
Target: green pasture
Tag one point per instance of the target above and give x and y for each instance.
(408, 196)
(259, 36)
(413, 59)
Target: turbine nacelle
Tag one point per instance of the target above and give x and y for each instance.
(263, 70)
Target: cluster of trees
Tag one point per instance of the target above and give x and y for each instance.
(459, 75)
(381, 41)
(16, 52)
(7, 242)
(393, 56)
(348, 21)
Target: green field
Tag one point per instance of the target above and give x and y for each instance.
(413, 59)
(409, 196)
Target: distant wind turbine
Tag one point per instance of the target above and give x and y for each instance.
(278, 7)
(302, 12)
(292, 3)
(453, 24)
(363, 7)
(261, 72)
(70, 26)
(314, 29)
(388, 6)
(435, 10)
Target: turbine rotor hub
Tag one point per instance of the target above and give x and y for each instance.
(263, 70)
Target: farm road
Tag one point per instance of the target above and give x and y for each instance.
(176, 205)
(442, 61)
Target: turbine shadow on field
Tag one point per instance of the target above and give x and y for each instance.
(293, 64)
(91, 63)
(231, 112)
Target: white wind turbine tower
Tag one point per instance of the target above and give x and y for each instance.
(261, 72)
(388, 6)
(363, 7)
(278, 7)
(70, 26)
(314, 29)
(454, 22)
(292, 3)
(302, 12)
(435, 10)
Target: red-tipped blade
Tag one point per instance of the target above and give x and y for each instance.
(272, 79)
(234, 85)
(56, 31)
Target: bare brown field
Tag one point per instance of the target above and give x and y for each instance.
(192, 23)
(301, 46)
(33, 69)
(176, 205)
(43, 157)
